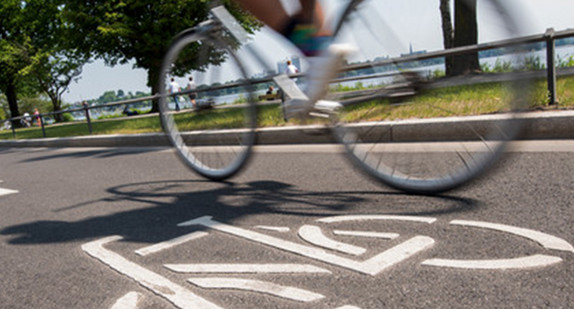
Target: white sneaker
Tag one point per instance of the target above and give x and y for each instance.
(325, 68)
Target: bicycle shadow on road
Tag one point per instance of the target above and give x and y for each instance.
(163, 205)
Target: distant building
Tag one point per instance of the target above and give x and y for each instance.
(413, 52)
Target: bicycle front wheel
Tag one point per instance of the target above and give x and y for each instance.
(206, 105)
(415, 117)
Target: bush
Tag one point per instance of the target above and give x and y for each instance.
(532, 64)
(500, 66)
(565, 63)
(67, 117)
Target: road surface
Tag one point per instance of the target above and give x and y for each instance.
(300, 228)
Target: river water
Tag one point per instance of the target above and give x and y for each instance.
(563, 53)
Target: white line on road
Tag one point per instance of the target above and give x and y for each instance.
(517, 263)
(315, 236)
(286, 292)
(376, 217)
(372, 266)
(366, 234)
(128, 301)
(7, 191)
(245, 268)
(547, 241)
(280, 229)
(170, 243)
(176, 294)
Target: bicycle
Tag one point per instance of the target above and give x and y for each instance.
(407, 130)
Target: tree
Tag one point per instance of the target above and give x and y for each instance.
(11, 61)
(138, 30)
(447, 32)
(36, 48)
(55, 62)
(54, 71)
(465, 33)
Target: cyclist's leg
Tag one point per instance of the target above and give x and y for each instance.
(304, 28)
(307, 30)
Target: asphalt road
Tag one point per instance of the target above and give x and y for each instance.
(300, 228)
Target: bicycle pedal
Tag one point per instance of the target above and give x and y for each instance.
(319, 115)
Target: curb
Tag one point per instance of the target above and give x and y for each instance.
(538, 125)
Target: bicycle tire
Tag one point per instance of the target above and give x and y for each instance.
(414, 132)
(213, 138)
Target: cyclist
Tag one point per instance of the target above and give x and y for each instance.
(305, 28)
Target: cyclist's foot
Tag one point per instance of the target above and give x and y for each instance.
(325, 68)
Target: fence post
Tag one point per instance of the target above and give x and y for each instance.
(551, 65)
(13, 128)
(87, 111)
(41, 117)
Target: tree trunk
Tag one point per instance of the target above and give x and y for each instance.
(12, 101)
(447, 33)
(153, 82)
(465, 34)
(57, 106)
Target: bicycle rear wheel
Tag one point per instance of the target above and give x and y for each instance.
(407, 124)
(214, 130)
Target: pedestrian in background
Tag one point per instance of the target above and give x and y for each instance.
(174, 88)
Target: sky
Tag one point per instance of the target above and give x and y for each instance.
(536, 16)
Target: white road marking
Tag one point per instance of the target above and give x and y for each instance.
(366, 234)
(176, 294)
(376, 217)
(315, 236)
(245, 268)
(547, 241)
(280, 229)
(170, 243)
(348, 307)
(128, 301)
(290, 293)
(372, 266)
(517, 263)
(7, 191)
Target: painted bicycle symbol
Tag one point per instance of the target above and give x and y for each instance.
(315, 245)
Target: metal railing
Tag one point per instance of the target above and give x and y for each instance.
(549, 38)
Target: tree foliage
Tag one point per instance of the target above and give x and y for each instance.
(35, 53)
(140, 30)
(11, 49)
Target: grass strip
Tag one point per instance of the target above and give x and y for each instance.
(484, 98)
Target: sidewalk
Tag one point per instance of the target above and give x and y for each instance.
(538, 125)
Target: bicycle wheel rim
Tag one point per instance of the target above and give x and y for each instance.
(412, 131)
(212, 135)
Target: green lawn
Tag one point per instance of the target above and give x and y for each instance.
(463, 100)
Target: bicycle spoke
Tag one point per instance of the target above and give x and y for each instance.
(437, 139)
(215, 139)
